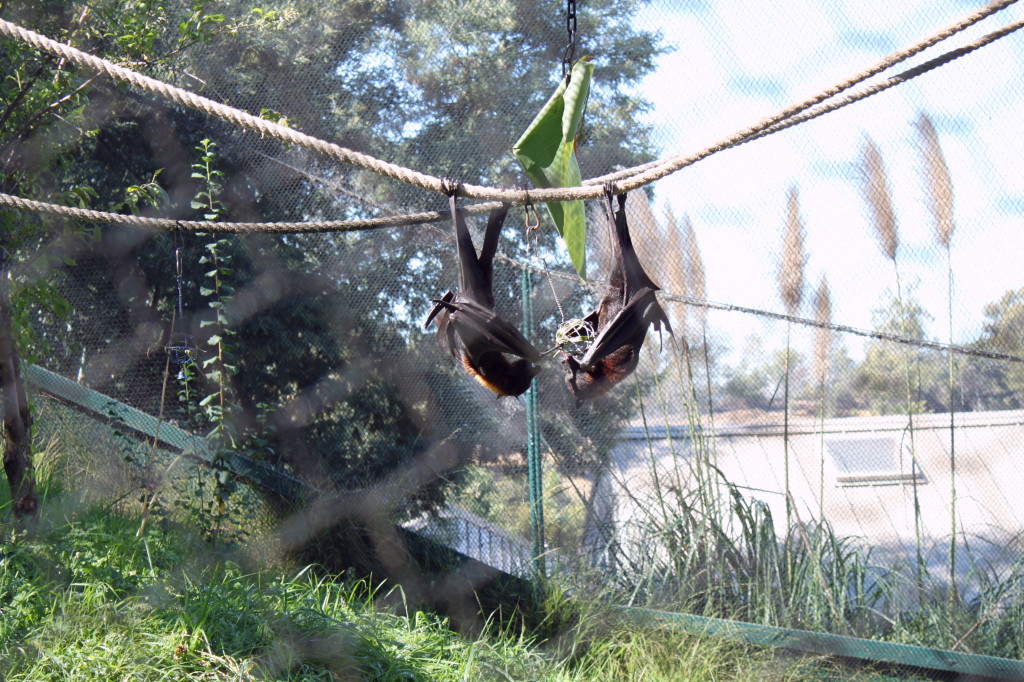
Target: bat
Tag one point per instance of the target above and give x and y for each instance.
(468, 327)
(627, 308)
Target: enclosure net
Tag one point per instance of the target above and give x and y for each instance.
(829, 437)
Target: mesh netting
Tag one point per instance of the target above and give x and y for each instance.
(828, 439)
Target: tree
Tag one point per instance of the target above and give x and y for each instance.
(988, 384)
(33, 92)
(47, 117)
(876, 383)
(328, 328)
(759, 386)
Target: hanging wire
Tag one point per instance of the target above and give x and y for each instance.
(575, 333)
(181, 347)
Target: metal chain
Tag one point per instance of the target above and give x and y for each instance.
(570, 48)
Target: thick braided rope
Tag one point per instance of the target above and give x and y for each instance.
(227, 113)
(269, 128)
(640, 175)
(899, 78)
(433, 216)
(655, 170)
(168, 224)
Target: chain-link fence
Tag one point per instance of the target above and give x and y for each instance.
(829, 437)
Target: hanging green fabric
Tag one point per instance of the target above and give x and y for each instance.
(547, 151)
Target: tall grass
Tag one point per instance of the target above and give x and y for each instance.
(733, 560)
(791, 291)
(822, 359)
(878, 196)
(940, 201)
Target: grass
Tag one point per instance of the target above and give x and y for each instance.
(731, 561)
(83, 598)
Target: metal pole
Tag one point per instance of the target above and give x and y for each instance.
(534, 472)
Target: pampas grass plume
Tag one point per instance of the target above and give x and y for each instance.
(876, 193)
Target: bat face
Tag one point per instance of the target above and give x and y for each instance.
(468, 327)
(627, 308)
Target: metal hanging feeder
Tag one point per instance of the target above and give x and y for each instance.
(181, 348)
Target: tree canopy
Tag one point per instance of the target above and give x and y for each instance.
(325, 345)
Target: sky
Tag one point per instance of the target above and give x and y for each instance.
(732, 63)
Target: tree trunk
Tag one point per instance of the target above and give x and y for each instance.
(16, 417)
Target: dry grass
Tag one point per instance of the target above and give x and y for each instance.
(648, 237)
(879, 199)
(822, 335)
(695, 269)
(937, 181)
(791, 269)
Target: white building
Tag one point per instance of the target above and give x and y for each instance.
(856, 473)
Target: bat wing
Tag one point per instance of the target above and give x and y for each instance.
(628, 327)
(635, 279)
(482, 330)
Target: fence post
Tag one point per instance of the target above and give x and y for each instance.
(534, 474)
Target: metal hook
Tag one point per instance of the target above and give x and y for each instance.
(527, 206)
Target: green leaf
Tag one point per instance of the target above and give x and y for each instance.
(213, 340)
(547, 152)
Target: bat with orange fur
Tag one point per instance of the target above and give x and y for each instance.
(467, 325)
(627, 308)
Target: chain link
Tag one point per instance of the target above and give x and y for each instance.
(570, 48)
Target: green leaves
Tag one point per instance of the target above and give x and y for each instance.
(206, 200)
(547, 151)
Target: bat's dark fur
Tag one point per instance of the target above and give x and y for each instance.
(468, 327)
(627, 309)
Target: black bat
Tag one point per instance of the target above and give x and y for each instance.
(627, 309)
(468, 327)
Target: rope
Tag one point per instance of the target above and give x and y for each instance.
(882, 336)
(227, 113)
(638, 176)
(168, 224)
(434, 216)
(655, 170)
(820, 324)
(893, 81)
